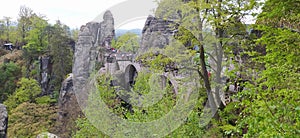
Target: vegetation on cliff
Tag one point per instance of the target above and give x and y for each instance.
(265, 57)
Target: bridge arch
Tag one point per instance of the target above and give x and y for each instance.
(130, 75)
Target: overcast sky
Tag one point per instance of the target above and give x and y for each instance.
(73, 13)
(128, 14)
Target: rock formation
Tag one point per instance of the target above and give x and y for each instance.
(3, 121)
(156, 33)
(45, 68)
(69, 109)
(91, 48)
(94, 38)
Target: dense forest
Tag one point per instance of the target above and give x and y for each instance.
(25, 43)
(265, 73)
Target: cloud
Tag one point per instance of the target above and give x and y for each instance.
(73, 13)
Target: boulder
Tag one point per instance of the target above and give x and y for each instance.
(3, 121)
(47, 135)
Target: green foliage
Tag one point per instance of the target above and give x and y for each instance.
(129, 42)
(74, 34)
(155, 61)
(145, 84)
(29, 113)
(36, 40)
(9, 75)
(269, 105)
(27, 91)
(45, 100)
(86, 129)
(108, 95)
(150, 86)
(25, 22)
(279, 13)
(272, 111)
(8, 30)
(30, 119)
(61, 52)
(227, 123)
(35, 70)
(191, 127)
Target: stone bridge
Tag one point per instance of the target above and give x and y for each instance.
(123, 67)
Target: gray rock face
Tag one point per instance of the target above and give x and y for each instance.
(107, 30)
(93, 39)
(66, 89)
(3, 121)
(156, 33)
(68, 108)
(45, 68)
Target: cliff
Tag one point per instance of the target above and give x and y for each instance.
(93, 39)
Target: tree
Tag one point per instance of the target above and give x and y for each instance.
(275, 14)
(8, 30)
(214, 26)
(74, 34)
(37, 39)
(129, 42)
(37, 43)
(270, 105)
(61, 53)
(7, 21)
(27, 91)
(9, 76)
(24, 22)
(30, 119)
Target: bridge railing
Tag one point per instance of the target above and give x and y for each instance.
(120, 56)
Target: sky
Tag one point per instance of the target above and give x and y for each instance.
(75, 13)
(128, 14)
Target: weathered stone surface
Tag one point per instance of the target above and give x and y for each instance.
(93, 30)
(107, 31)
(45, 69)
(66, 89)
(156, 33)
(93, 38)
(68, 109)
(3, 121)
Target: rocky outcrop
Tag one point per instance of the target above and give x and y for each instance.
(3, 121)
(68, 110)
(45, 69)
(107, 30)
(93, 39)
(156, 33)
